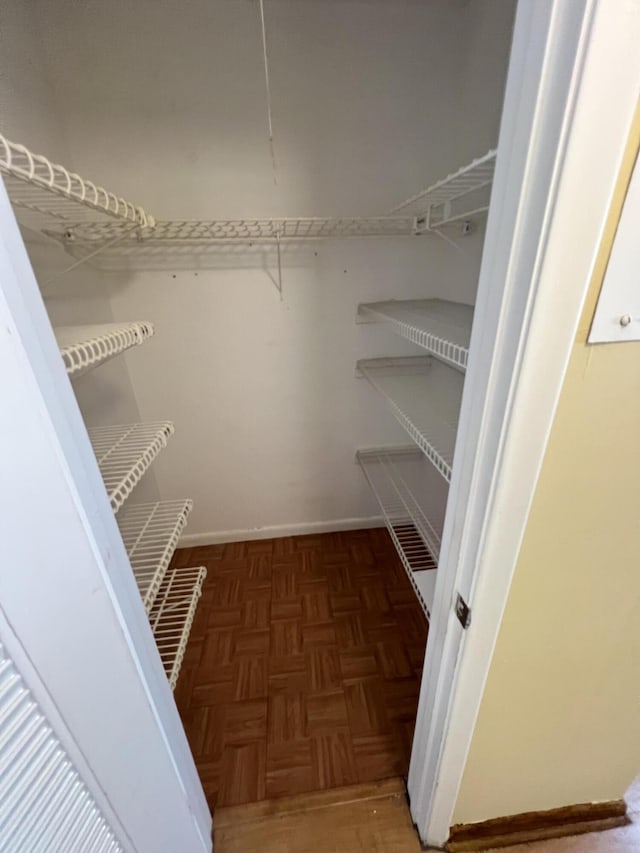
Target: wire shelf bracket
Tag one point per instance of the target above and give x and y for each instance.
(84, 347)
(172, 614)
(124, 454)
(442, 328)
(150, 532)
(424, 395)
(460, 196)
(414, 521)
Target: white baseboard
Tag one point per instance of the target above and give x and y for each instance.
(277, 531)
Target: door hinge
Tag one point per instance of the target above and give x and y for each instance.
(463, 611)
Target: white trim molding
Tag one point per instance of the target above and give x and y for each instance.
(561, 144)
(277, 531)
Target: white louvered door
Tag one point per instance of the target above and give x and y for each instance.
(45, 805)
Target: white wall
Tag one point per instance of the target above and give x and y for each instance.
(30, 113)
(371, 102)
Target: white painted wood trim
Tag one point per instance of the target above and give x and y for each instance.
(276, 531)
(617, 315)
(561, 144)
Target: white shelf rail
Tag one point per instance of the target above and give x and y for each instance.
(85, 347)
(441, 327)
(413, 505)
(125, 453)
(424, 395)
(44, 192)
(150, 532)
(200, 232)
(171, 616)
(461, 195)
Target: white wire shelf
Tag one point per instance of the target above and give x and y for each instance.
(413, 499)
(125, 453)
(441, 327)
(150, 533)
(459, 196)
(200, 232)
(424, 395)
(85, 347)
(171, 616)
(43, 193)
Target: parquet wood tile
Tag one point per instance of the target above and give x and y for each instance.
(302, 669)
(286, 638)
(350, 631)
(377, 756)
(256, 612)
(345, 602)
(326, 712)
(294, 681)
(212, 693)
(245, 721)
(251, 678)
(253, 642)
(243, 773)
(358, 663)
(286, 609)
(289, 767)
(315, 606)
(323, 634)
(323, 668)
(332, 760)
(393, 659)
(287, 718)
(366, 707)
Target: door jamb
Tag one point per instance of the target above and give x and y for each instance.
(561, 145)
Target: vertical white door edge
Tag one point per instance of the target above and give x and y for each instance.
(572, 89)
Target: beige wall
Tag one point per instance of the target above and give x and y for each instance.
(559, 721)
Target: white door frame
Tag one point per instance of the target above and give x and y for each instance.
(572, 90)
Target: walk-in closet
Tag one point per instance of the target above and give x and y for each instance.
(260, 258)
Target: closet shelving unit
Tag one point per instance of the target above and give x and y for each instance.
(412, 503)
(48, 198)
(172, 615)
(125, 452)
(150, 532)
(460, 196)
(45, 194)
(442, 328)
(84, 347)
(424, 392)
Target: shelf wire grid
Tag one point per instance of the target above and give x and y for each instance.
(441, 327)
(150, 532)
(415, 528)
(424, 395)
(85, 347)
(44, 192)
(244, 230)
(124, 454)
(171, 616)
(458, 196)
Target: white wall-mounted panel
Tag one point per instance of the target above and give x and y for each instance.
(617, 316)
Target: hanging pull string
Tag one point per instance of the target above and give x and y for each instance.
(268, 87)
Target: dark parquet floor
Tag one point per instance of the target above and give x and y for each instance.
(303, 665)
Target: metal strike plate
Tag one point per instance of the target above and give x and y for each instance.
(463, 611)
